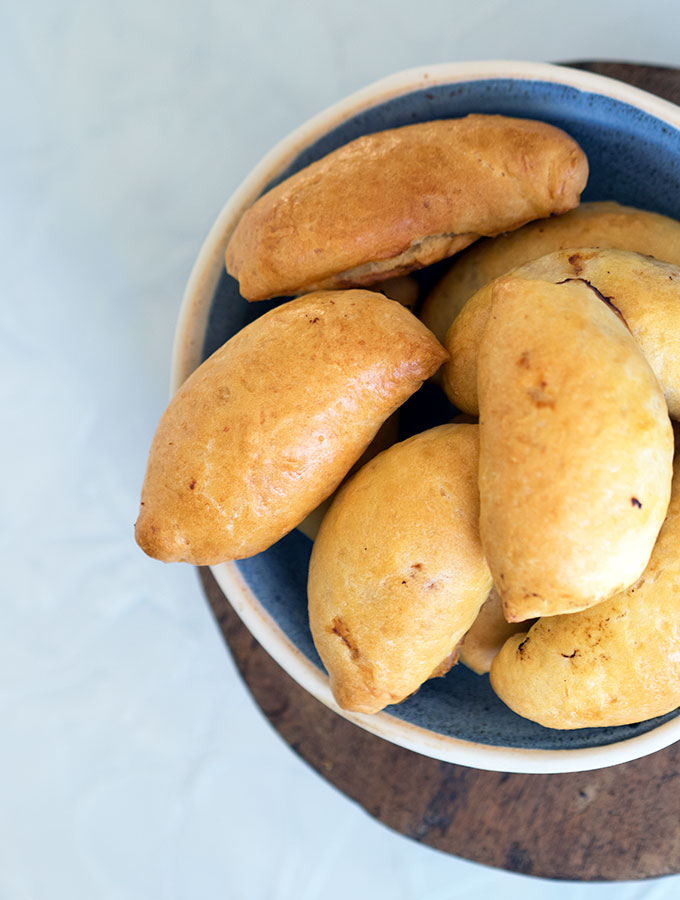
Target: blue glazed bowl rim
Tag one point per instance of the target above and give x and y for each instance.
(187, 355)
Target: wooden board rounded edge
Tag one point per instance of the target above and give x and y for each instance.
(613, 824)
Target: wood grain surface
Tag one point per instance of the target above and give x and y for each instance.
(612, 824)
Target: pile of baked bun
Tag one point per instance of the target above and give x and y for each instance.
(536, 536)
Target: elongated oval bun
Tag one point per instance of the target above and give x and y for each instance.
(614, 664)
(645, 291)
(397, 573)
(397, 200)
(603, 224)
(270, 424)
(576, 449)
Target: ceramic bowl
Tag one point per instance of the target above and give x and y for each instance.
(632, 140)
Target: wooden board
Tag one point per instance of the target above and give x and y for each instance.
(613, 824)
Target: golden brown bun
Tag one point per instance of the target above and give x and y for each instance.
(398, 200)
(644, 290)
(397, 573)
(614, 664)
(269, 425)
(576, 449)
(487, 634)
(602, 224)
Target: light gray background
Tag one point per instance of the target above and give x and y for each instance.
(133, 764)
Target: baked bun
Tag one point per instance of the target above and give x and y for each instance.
(398, 200)
(486, 635)
(269, 425)
(645, 291)
(397, 573)
(601, 224)
(387, 434)
(614, 664)
(576, 449)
